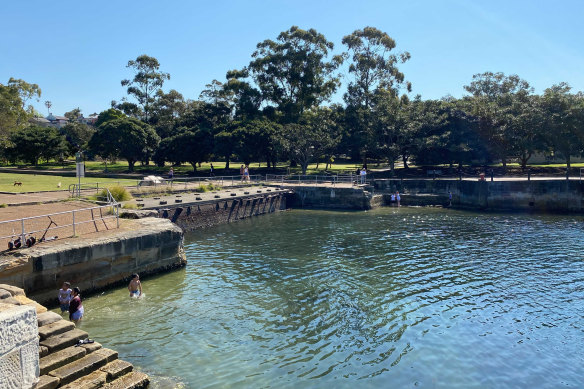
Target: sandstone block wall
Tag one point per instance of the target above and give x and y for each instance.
(558, 196)
(331, 198)
(19, 346)
(193, 217)
(151, 246)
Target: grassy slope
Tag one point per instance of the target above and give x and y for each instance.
(32, 183)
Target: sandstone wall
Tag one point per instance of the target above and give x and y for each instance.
(558, 196)
(193, 217)
(331, 198)
(19, 346)
(153, 245)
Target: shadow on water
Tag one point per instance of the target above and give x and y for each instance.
(391, 297)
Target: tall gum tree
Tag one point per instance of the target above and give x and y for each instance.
(374, 66)
(294, 72)
(147, 81)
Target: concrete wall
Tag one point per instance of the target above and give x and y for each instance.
(151, 246)
(19, 346)
(193, 217)
(330, 198)
(558, 196)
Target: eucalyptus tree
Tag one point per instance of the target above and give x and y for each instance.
(494, 97)
(144, 86)
(310, 138)
(295, 72)
(374, 67)
(564, 121)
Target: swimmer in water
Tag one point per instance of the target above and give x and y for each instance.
(135, 287)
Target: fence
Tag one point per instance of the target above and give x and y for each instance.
(313, 179)
(68, 223)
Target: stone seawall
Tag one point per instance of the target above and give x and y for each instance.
(555, 196)
(151, 246)
(332, 198)
(197, 216)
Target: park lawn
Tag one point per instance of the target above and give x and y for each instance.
(38, 182)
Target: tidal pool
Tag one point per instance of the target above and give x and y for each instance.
(393, 298)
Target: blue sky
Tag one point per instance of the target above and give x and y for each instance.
(77, 51)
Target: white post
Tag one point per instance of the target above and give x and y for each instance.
(74, 223)
(22, 238)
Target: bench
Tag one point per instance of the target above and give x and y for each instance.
(434, 172)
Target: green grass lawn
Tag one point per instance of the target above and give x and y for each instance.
(33, 183)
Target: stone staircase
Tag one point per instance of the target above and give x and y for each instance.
(65, 362)
(66, 358)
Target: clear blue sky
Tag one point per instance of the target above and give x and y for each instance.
(77, 51)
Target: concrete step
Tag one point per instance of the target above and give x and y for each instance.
(47, 382)
(61, 358)
(117, 369)
(64, 340)
(94, 380)
(55, 328)
(48, 318)
(84, 366)
(132, 380)
(91, 347)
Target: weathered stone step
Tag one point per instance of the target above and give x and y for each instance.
(48, 318)
(82, 367)
(132, 380)
(117, 369)
(94, 380)
(64, 340)
(61, 358)
(55, 328)
(47, 382)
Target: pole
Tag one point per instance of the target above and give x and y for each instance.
(73, 223)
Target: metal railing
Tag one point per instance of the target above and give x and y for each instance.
(75, 189)
(70, 218)
(195, 182)
(350, 179)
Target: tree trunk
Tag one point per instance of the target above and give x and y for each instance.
(304, 167)
(568, 162)
(226, 162)
(131, 165)
(392, 166)
(504, 162)
(317, 163)
(405, 161)
(194, 165)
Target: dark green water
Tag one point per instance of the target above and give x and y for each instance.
(393, 298)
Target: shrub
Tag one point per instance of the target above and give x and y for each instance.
(3, 205)
(119, 193)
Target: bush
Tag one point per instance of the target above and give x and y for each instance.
(119, 193)
(3, 205)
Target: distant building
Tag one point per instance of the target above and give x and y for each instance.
(57, 121)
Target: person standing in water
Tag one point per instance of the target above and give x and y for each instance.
(65, 296)
(135, 287)
(75, 306)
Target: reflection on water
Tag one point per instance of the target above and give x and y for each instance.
(388, 298)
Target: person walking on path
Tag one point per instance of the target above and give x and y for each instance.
(246, 172)
(171, 174)
(76, 307)
(397, 198)
(211, 173)
(241, 171)
(449, 198)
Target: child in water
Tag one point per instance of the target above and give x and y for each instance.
(65, 296)
(135, 287)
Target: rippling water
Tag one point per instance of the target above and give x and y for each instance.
(409, 297)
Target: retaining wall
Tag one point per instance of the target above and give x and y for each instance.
(197, 216)
(557, 196)
(153, 245)
(331, 198)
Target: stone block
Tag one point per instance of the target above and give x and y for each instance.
(64, 340)
(91, 347)
(117, 369)
(10, 370)
(93, 380)
(109, 354)
(43, 351)
(47, 382)
(10, 300)
(4, 294)
(48, 318)
(61, 358)
(29, 361)
(79, 368)
(23, 300)
(132, 380)
(18, 326)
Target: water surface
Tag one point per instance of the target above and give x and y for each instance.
(409, 297)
